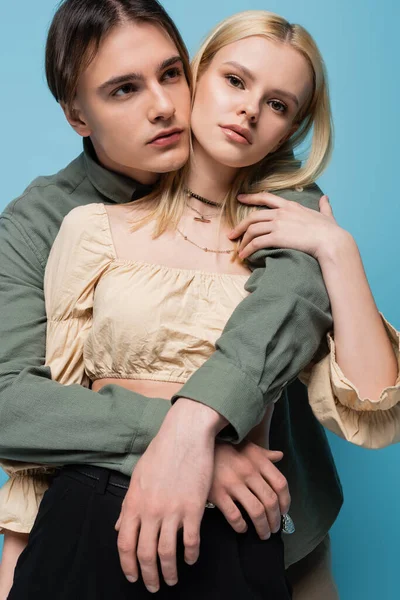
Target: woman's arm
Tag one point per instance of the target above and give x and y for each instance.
(363, 349)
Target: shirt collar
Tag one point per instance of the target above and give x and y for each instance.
(114, 186)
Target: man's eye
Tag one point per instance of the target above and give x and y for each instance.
(277, 106)
(235, 81)
(124, 90)
(173, 73)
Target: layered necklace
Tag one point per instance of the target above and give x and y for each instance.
(202, 218)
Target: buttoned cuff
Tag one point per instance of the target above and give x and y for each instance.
(230, 392)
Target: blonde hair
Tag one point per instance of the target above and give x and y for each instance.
(280, 169)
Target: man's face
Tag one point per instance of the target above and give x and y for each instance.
(133, 92)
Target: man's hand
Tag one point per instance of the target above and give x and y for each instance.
(168, 491)
(246, 473)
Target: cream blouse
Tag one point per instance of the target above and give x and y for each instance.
(109, 317)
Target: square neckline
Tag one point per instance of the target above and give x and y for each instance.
(160, 266)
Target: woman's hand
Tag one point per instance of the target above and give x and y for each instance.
(246, 474)
(287, 225)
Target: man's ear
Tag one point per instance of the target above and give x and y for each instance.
(76, 119)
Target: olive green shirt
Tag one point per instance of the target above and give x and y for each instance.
(270, 338)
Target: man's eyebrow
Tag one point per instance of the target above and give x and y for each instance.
(120, 79)
(250, 76)
(169, 62)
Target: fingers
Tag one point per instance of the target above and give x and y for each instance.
(118, 523)
(231, 513)
(257, 216)
(255, 231)
(167, 552)
(274, 455)
(278, 484)
(255, 509)
(191, 539)
(325, 207)
(269, 501)
(147, 555)
(127, 543)
(262, 199)
(263, 241)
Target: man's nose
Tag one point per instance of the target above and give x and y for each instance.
(161, 107)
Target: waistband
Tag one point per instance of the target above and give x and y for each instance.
(97, 477)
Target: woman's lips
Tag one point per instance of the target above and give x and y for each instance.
(234, 136)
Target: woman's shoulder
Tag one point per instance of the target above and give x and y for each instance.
(87, 227)
(85, 215)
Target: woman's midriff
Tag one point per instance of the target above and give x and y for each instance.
(166, 389)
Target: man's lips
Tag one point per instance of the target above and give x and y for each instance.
(167, 137)
(237, 134)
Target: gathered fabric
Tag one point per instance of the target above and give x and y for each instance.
(118, 318)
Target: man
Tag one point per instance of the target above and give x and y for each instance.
(44, 422)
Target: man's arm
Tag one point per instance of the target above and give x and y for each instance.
(40, 419)
(271, 336)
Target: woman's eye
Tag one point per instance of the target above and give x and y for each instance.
(172, 73)
(124, 90)
(235, 81)
(277, 106)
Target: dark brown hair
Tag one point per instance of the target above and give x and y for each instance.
(78, 28)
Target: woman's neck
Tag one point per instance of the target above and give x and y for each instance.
(207, 177)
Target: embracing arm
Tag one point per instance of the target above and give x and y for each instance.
(40, 419)
(355, 390)
(271, 336)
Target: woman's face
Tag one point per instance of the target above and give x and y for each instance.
(247, 100)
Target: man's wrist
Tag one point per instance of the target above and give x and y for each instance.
(200, 417)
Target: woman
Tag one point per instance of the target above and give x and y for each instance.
(267, 107)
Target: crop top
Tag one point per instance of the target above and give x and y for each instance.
(111, 317)
(128, 319)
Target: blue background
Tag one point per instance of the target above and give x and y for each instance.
(359, 41)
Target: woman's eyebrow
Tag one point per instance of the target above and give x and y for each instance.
(242, 68)
(123, 78)
(289, 95)
(251, 76)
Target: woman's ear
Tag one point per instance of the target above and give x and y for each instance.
(76, 119)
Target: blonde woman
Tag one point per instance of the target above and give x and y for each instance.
(260, 89)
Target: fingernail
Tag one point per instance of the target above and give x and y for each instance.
(131, 578)
(240, 196)
(171, 581)
(266, 536)
(189, 562)
(152, 589)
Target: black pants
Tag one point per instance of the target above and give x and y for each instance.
(72, 552)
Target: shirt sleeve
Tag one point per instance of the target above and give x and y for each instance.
(41, 420)
(271, 336)
(338, 406)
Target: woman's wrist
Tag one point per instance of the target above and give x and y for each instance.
(337, 249)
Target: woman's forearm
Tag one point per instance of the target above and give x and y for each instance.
(363, 350)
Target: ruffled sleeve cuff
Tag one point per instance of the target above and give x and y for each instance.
(337, 404)
(20, 498)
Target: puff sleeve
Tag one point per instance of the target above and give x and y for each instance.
(81, 252)
(337, 404)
